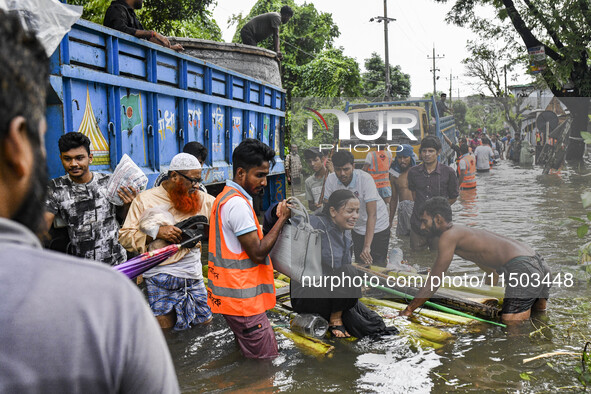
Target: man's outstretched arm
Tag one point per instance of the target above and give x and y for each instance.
(445, 254)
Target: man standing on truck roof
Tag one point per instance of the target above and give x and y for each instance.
(176, 291)
(79, 199)
(442, 108)
(402, 199)
(264, 25)
(493, 253)
(121, 16)
(241, 285)
(66, 324)
(372, 230)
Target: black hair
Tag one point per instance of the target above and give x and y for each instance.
(286, 10)
(251, 153)
(196, 149)
(437, 206)
(73, 140)
(310, 154)
(464, 149)
(24, 77)
(486, 141)
(443, 95)
(342, 158)
(337, 200)
(430, 141)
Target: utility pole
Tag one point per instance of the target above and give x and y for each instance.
(386, 20)
(451, 78)
(505, 69)
(434, 70)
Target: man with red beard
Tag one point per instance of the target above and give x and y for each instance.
(176, 292)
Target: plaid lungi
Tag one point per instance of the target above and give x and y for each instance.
(188, 297)
(404, 213)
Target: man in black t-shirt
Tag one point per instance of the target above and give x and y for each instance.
(262, 26)
(121, 16)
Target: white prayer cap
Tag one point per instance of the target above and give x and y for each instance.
(184, 162)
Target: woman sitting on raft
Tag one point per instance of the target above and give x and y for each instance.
(338, 305)
(338, 216)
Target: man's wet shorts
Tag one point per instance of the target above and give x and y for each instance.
(525, 287)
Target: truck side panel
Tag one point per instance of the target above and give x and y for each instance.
(132, 97)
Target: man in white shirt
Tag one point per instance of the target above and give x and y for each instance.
(372, 231)
(484, 156)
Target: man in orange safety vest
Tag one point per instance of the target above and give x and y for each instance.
(466, 169)
(241, 285)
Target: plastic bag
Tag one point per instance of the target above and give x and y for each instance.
(126, 174)
(50, 20)
(153, 218)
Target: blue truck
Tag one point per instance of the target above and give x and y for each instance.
(132, 97)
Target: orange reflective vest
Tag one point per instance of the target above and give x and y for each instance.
(380, 168)
(236, 285)
(469, 181)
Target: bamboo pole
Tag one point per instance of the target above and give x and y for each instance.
(440, 307)
(431, 314)
(442, 299)
(485, 290)
(313, 345)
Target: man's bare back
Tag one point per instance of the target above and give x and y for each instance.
(484, 248)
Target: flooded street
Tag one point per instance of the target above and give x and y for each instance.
(517, 202)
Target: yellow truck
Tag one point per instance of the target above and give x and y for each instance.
(386, 125)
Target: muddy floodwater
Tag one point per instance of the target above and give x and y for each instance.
(514, 201)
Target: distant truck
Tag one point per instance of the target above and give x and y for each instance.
(412, 112)
(132, 97)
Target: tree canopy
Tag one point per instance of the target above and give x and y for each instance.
(180, 18)
(561, 27)
(374, 79)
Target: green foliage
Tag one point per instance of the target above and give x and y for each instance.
(331, 74)
(179, 18)
(584, 370)
(460, 110)
(526, 375)
(374, 79)
(487, 65)
(562, 27)
(483, 112)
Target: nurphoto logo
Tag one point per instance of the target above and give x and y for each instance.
(375, 125)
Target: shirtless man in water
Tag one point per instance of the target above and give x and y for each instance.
(491, 252)
(401, 194)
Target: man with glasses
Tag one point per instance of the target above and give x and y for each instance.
(176, 292)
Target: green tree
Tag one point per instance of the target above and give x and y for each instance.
(374, 79)
(330, 74)
(562, 27)
(460, 109)
(179, 18)
(487, 65)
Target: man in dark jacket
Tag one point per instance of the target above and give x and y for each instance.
(121, 16)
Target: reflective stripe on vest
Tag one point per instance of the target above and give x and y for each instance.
(469, 181)
(381, 168)
(236, 285)
(242, 293)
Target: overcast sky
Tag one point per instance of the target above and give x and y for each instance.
(419, 26)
